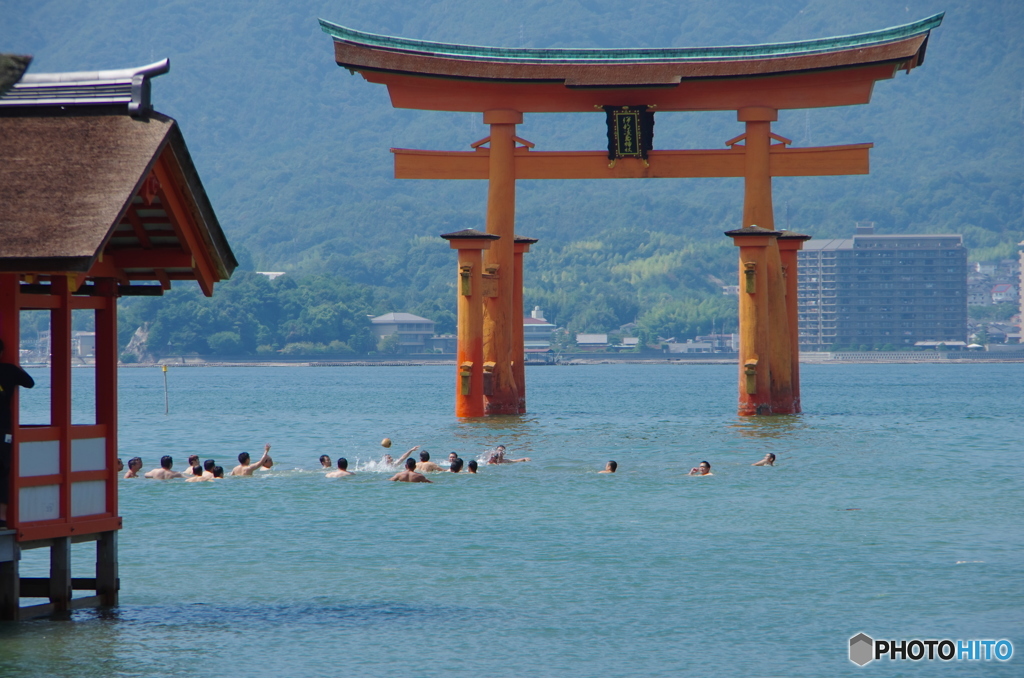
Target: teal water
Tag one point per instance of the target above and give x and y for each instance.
(547, 568)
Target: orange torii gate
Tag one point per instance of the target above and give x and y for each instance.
(629, 85)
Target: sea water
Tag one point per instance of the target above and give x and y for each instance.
(894, 510)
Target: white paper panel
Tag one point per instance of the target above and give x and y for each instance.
(88, 454)
(39, 459)
(88, 497)
(39, 503)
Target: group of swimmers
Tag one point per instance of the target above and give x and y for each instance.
(412, 470)
(207, 471)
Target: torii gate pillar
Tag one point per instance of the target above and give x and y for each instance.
(503, 396)
(469, 370)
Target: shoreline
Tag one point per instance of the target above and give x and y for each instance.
(593, 359)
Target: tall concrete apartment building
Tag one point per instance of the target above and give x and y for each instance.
(873, 290)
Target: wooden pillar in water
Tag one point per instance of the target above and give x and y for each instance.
(469, 365)
(765, 359)
(755, 350)
(522, 246)
(789, 244)
(60, 574)
(107, 576)
(499, 260)
(778, 330)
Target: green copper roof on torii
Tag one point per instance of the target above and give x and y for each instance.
(633, 55)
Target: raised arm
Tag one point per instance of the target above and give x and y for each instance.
(266, 453)
(405, 456)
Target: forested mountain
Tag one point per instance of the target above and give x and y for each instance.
(294, 150)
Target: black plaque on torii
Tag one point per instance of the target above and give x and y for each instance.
(630, 131)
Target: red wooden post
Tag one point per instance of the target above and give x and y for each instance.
(789, 244)
(10, 331)
(106, 382)
(501, 216)
(469, 364)
(522, 246)
(60, 382)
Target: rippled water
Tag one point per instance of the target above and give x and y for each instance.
(548, 568)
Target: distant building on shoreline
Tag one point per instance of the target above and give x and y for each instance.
(877, 290)
(413, 331)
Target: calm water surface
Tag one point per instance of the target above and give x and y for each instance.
(548, 568)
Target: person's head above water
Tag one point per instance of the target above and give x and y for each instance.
(166, 462)
(342, 463)
(208, 465)
(218, 471)
(452, 456)
(268, 462)
(193, 460)
(424, 456)
(410, 464)
(611, 466)
(120, 465)
(456, 465)
(472, 466)
(243, 458)
(135, 463)
(704, 467)
(196, 470)
(325, 461)
(388, 459)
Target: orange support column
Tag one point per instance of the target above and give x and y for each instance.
(106, 381)
(499, 315)
(60, 381)
(789, 244)
(522, 246)
(778, 334)
(10, 324)
(469, 372)
(755, 358)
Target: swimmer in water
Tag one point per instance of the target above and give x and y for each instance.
(498, 457)
(342, 469)
(409, 475)
(456, 466)
(610, 467)
(389, 461)
(208, 467)
(193, 461)
(164, 472)
(244, 468)
(471, 466)
(120, 465)
(218, 471)
(267, 464)
(452, 457)
(769, 460)
(703, 469)
(425, 465)
(134, 466)
(325, 462)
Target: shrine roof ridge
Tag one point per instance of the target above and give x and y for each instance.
(631, 55)
(128, 87)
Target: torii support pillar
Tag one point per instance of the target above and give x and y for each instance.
(756, 247)
(469, 372)
(499, 315)
(789, 244)
(522, 246)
